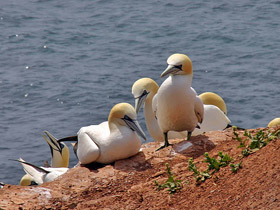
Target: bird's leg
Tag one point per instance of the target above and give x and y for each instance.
(189, 135)
(166, 143)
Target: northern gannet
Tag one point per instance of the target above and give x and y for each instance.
(112, 140)
(273, 123)
(143, 91)
(177, 106)
(215, 108)
(41, 175)
(60, 157)
(214, 114)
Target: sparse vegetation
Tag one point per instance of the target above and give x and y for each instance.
(214, 165)
(235, 167)
(171, 183)
(200, 176)
(253, 143)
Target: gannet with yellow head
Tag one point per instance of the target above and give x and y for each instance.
(112, 140)
(214, 113)
(60, 157)
(273, 123)
(177, 106)
(143, 91)
(40, 175)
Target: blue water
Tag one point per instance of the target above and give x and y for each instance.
(64, 64)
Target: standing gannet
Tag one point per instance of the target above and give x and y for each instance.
(177, 106)
(214, 114)
(60, 157)
(112, 140)
(273, 123)
(41, 175)
(143, 91)
(215, 108)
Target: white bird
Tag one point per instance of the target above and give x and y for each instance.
(177, 106)
(215, 111)
(143, 91)
(60, 157)
(112, 140)
(215, 117)
(41, 174)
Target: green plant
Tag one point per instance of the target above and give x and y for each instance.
(200, 176)
(242, 143)
(235, 167)
(255, 142)
(216, 164)
(172, 184)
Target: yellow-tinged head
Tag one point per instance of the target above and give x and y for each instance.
(210, 98)
(273, 123)
(124, 114)
(142, 90)
(178, 64)
(27, 180)
(144, 84)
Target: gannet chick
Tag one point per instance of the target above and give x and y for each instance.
(273, 123)
(112, 140)
(60, 157)
(41, 174)
(214, 114)
(177, 106)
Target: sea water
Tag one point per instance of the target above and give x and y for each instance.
(64, 64)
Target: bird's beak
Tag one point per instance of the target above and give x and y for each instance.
(52, 142)
(171, 69)
(134, 125)
(139, 101)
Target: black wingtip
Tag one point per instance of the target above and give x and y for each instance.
(70, 138)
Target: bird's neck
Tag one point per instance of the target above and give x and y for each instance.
(181, 80)
(148, 110)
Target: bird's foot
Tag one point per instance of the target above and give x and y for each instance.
(163, 146)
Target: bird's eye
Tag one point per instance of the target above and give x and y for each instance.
(126, 117)
(179, 67)
(145, 92)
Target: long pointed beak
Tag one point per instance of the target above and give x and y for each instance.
(139, 101)
(170, 70)
(134, 125)
(52, 141)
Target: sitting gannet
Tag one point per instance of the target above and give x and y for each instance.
(273, 123)
(144, 90)
(41, 175)
(60, 157)
(112, 140)
(214, 114)
(177, 106)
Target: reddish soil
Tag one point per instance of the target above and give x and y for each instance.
(130, 183)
